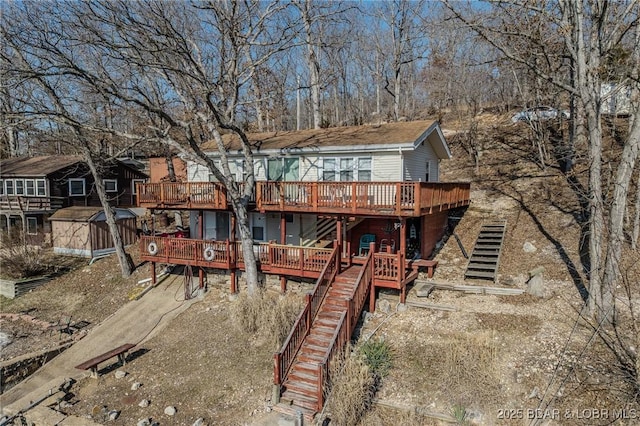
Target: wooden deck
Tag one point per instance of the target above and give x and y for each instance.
(398, 199)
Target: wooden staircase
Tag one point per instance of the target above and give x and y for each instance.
(322, 331)
(485, 257)
(301, 385)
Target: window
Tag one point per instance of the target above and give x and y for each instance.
(329, 169)
(9, 187)
(110, 185)
(19, 187)
(30, 187)
(286, 169)
(1, 187)
(364, 169)
(76, 187)
(258, 233)
(32, 225)
(347, 169)
(41, 188)
(427, 178)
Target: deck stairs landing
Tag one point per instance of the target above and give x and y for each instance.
(485, 257)
(301, 385)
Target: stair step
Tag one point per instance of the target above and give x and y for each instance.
(302, 376)
(292, 410)
(329, 315)
(305, 366)
(492, 234)
(319, 340)
(328, 323)
(480, 274)
(302, 388)
(319, 330)
(309, 402)
(485, 252)
(311, 358)
(481, 266)
(319, 349)
(481, 259)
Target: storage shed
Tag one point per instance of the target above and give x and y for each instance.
(83, 231)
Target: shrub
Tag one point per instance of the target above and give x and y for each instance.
(352, 390)
(271, 315)
(378, 355)
(19, 260)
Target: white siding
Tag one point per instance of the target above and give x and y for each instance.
(415, 164)
(386, 167)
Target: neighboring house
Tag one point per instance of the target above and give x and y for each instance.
(323, 200)
(83, 231)
(616, 99)
(32, 189)
(159, 170)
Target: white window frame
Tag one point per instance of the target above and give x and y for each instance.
(355, 169)
(26, 187)
(19, 191)
(32, 229)
(84, 187)
(44, 188)
(9, 183)
(115, 185)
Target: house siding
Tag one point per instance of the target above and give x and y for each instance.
(415, 164)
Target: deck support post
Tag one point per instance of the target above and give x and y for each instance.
(275, 394)
(200, 278)
(233, 287)
(283, 284)
(283, 228)
(153, 274)
(372, 298)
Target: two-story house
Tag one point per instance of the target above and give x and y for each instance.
(354, 208)
(33, 188)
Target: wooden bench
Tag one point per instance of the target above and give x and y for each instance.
(92, 364)
(429, 264)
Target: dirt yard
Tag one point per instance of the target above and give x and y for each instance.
(480, 358)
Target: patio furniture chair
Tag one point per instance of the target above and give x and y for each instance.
(365, 240)
(386, 244)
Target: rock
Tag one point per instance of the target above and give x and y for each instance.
(384, 306)
(535, 286)
(527, 247)
(199, 422)
(170, 411)
(135, 386)
(144, 403)
(233, 297)
(120, 374)
(402, 307)
(65, 404)
(113, 414)
(423, 290)
(534, 393)
(144, 422)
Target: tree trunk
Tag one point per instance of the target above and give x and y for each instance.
(126, 263)
(251, 267)
(636, 219)
(622, 185)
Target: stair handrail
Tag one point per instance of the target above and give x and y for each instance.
(283, 360)
(338, 342)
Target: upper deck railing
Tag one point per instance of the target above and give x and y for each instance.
(365, 198)
(16, 203)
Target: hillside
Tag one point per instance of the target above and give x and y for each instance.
(497, 358)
